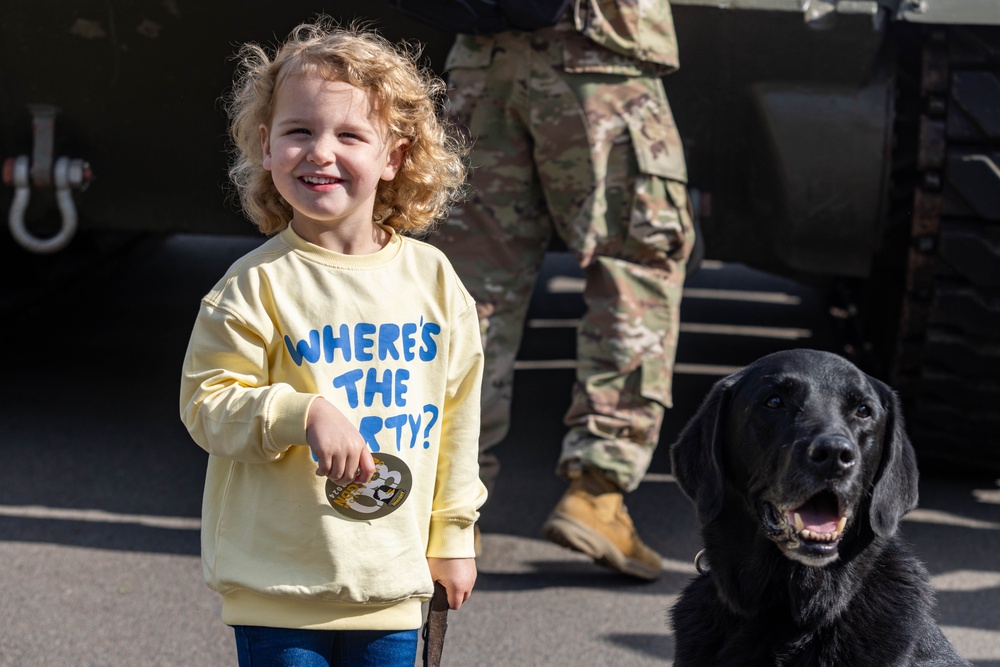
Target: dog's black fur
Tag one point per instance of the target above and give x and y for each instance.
(803, 432)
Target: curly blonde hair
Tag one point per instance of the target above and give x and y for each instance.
(408, 98)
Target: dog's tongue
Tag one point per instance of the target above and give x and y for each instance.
(817, 520)
(819, 514)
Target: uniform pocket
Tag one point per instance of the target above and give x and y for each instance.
(660, 232)
(471, 51)
(657, 142)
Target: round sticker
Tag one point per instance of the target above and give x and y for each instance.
(387, 489)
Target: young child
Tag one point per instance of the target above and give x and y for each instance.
(333, 374)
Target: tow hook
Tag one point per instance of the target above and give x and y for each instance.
(38, 171)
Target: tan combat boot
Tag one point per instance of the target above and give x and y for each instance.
(592, 518)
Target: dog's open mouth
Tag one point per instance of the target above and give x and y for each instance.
(818, 519)
(809, 532)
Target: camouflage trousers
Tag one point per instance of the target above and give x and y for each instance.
(586, 156)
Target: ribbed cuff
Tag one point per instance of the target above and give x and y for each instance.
(451, 539)
(286, 420)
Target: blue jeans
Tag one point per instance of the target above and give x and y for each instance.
(285, 647)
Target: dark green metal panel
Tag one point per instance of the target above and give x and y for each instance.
(786, 127)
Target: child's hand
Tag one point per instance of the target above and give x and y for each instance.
(457, 575)
(341, 452)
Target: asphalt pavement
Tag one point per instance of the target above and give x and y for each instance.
(100, 486)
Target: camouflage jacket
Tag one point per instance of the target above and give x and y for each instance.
(630, 37)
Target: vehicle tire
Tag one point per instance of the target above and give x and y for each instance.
(945, 357)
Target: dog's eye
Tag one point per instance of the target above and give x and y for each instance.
(863, 412)
(774, 402)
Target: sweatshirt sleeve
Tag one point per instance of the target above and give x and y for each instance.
(458, 492)
(227, 402)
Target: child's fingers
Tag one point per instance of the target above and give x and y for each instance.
(322, 466)
(347, 471)
(356, 466)
(366, 466)
(342, 477)
(456, 596)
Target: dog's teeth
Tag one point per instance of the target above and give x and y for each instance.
(807, 534)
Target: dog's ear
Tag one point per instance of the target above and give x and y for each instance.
(696, 456)
(895, 491)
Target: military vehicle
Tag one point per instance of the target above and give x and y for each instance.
(850, 144)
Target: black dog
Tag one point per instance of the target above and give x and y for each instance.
(800, 471)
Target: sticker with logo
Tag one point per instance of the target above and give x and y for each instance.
(381, 495)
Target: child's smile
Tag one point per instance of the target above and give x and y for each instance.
(319, 181)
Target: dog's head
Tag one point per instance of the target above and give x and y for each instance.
(808, 445)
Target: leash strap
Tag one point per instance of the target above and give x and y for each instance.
(435, 627)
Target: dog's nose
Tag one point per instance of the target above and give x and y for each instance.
(832, 455)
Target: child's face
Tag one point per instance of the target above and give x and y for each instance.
(327, 151)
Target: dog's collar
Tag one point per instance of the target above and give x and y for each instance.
(701, 562)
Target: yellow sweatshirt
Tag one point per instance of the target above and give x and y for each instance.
(392, 340)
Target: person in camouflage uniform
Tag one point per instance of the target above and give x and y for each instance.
(573, 133)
